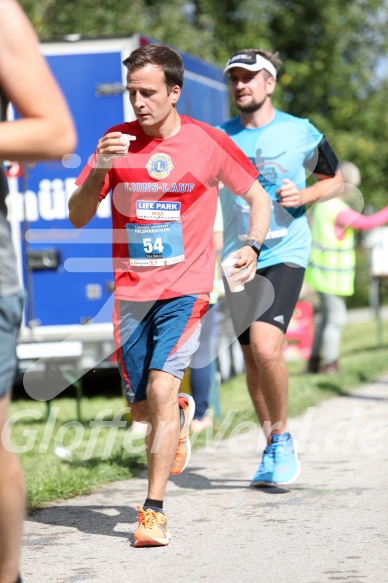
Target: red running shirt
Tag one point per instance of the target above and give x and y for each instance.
(164, 202)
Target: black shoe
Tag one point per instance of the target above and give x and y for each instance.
(312, 366)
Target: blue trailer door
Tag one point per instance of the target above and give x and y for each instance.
(205, 92)
(68, 275)
(91, 76)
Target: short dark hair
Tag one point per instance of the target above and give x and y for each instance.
(168, 59)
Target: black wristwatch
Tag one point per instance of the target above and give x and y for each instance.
(254, 244)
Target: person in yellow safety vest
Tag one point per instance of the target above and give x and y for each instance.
(332, 267)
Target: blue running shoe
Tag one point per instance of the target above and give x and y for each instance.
(286, 464)
(263, 476)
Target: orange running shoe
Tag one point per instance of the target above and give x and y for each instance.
(152, 530)
(183, 452)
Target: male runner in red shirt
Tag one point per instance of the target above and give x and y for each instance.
(164, 200)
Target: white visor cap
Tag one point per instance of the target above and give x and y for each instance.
(250, 61)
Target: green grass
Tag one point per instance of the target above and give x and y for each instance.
(50, 478)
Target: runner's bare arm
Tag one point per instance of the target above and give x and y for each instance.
(259, 219)
(46, 129)
(326, 187)
(85, 200)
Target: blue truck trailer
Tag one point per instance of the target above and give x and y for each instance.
(68, 309)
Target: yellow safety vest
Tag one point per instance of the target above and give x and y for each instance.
(332, 261)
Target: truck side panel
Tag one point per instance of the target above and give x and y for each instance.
(92, 77)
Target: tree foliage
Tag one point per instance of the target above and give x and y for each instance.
(330, 52)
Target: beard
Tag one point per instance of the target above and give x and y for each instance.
(251, 108)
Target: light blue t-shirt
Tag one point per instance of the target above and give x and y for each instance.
(284, 148)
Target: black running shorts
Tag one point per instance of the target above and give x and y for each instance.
(270, 298)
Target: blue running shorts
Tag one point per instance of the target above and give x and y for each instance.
(161, 335)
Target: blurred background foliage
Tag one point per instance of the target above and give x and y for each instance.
(334, 54)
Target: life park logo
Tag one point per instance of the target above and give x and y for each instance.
(159, 166)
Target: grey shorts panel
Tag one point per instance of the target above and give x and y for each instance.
(11, 313)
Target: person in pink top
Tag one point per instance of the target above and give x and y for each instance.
(332, 266)
(164, 199)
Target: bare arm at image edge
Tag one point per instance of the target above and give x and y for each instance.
(46, 130)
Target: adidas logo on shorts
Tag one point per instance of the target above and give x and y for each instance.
(279, 319)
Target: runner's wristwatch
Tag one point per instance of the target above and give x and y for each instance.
(254, 244)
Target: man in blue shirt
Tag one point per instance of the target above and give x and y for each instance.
(286, 150)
